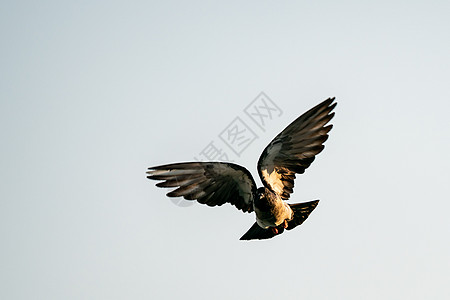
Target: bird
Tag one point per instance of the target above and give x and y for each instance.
(291, 152)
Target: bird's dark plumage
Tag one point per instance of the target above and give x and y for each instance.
(290, 152)
(295, 148)
(301, 213)
(210, 183)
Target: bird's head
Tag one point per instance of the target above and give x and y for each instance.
(261, 192)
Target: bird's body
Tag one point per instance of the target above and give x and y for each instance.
(270, 209)
(289, 153)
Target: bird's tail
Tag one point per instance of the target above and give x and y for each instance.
(301, 213)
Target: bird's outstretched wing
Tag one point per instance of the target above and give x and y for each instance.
(294, 149)
(211, 183)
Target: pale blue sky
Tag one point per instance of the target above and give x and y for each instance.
(92, 93)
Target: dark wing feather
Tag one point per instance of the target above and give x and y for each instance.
(210, 183)
(295, 148)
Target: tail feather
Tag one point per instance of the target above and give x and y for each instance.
(301, 213)
(258, 233)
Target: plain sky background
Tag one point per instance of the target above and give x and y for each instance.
(92, 93)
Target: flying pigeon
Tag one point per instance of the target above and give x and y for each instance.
(289, 153)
